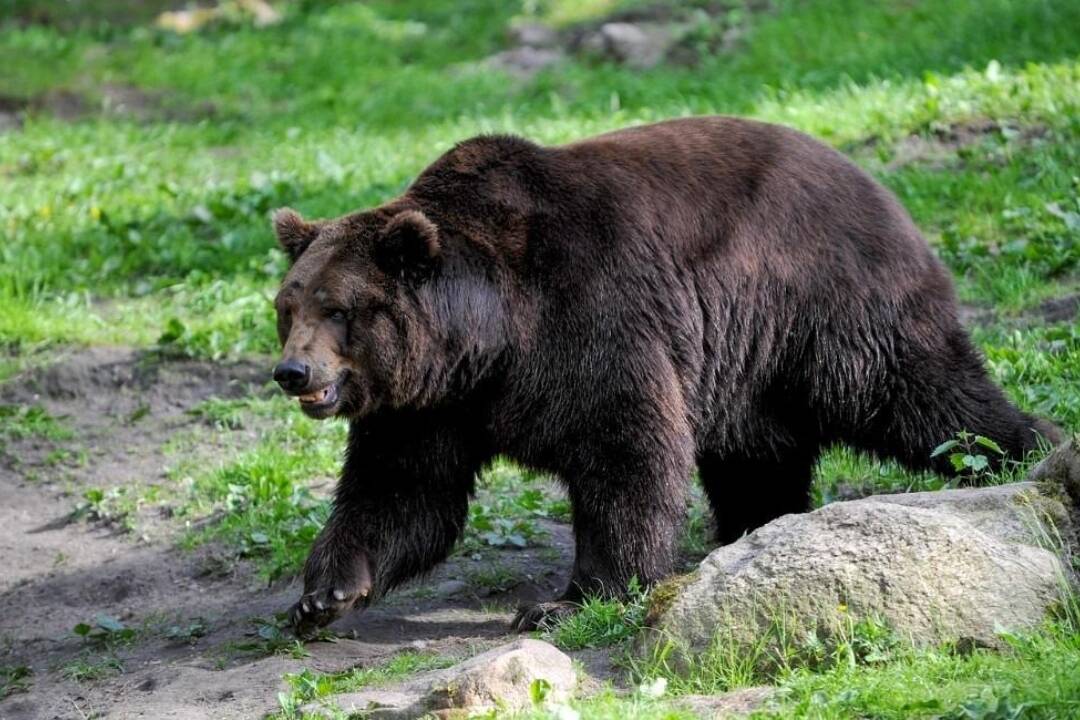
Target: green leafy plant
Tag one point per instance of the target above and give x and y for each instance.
(187, 633)
(273, 636)
(116, 506)
(511, 503)
(965, 453)
(105, 632)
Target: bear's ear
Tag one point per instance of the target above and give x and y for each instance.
(293, 232)
(408, 246)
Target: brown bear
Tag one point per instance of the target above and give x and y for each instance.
(710, 291)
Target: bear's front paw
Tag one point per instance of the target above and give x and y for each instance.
(330, 590)
(542, 616)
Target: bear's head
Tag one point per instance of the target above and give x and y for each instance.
(375, 313)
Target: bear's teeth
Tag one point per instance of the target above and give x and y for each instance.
(315, 396)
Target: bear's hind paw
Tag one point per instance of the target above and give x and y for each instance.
(542, 616)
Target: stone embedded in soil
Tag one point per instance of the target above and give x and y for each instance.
(501, 678)
(450, 588)
(939, 566)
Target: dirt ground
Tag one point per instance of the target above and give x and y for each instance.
(127, 412)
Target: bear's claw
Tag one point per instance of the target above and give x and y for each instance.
(315, 609)
(333, 593)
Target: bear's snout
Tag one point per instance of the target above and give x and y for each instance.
(292, 375)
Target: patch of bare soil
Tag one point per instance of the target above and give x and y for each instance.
(1063, 309)
(1054, 310)
(941, 147)
(124, 409)
(121, 101)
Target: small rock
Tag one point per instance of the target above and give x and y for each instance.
(638, 45)
(501, 678)
(449, 588)
(535, 35)
(938, 566)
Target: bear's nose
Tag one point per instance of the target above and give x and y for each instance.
(292, 375)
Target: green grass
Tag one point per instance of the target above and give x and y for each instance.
(1035, 678)
(18, 422)
(91, 668)
(601, 622)
(14, 679)
(119, 231)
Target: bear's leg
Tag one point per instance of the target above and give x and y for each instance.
(629, 504)
(935, 395)
(747, 492)
(400, 506)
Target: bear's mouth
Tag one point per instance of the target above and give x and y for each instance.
(321, 403)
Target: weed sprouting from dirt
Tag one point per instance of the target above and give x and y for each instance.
(269, 636)
(307, 686)
(105, 633)
(14, 679)
(102, 639)
(89, 668)
(187, 633)
(116, 506)
(19, 422)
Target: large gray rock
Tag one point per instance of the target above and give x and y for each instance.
(500, 677)
(941, 566)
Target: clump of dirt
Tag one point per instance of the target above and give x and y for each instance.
(189, 647)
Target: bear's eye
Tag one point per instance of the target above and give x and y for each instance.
(336, 315)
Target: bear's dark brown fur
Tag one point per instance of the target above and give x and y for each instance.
(712, 292)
